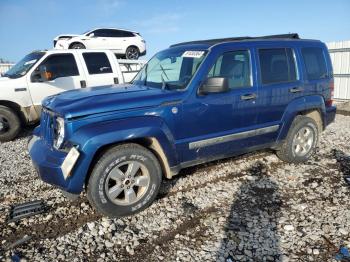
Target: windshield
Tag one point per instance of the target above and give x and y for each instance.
(88, 31)
(170, 69)
(23, 66)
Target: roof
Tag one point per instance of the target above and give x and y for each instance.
(212, 42)
(112, 28)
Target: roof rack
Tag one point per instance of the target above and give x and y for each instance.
(231, 39)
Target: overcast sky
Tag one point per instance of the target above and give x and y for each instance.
(27, 25)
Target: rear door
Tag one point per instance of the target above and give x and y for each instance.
(100, 68)
(117, 40)
(66, 74)
(279, 84)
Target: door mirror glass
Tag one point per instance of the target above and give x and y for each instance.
(214, 85)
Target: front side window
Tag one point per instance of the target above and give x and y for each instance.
(315, 63)
(100, 33)
(170, 69)
(277, 66)
(97, 63)
(61, 65)
(235, 66)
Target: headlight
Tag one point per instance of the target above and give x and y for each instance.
(59, 133)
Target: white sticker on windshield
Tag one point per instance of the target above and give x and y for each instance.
(30, 62)
(193, 54)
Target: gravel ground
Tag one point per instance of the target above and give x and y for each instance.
(248, 208)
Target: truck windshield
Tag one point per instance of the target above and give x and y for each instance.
(23, 66)
(171, 69)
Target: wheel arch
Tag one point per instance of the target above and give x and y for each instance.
(133, 46)
(311, 106)
(75, 42)
(94, 140)
(150, 143)
(16, 108)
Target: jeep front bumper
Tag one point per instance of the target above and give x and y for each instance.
(53, 166)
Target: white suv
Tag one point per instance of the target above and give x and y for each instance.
(123, 43)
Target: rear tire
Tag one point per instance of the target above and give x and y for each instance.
(10, 124)
(77, 46)
(132, 52)
(301, 140)
(125, 180)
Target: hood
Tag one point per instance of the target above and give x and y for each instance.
(66, 36)
(6, 82)
(95, 100)
(3, 78)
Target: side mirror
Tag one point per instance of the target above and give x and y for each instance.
(45, 75)
(91, 35)
(214, 85)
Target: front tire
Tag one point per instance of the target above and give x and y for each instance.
(125, 180)
(132, 52)
(77, 46)
(10, 124)
(301, 140)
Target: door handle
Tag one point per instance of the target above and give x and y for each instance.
(116, 80)
(248, 96)
(296, 90)
(83, 83)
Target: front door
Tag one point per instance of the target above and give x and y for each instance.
(219, 124)
(65, 75)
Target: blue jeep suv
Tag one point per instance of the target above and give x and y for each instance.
(191, 103)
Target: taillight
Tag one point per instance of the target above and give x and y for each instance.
(329, 102)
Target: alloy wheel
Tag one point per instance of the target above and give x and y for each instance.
(303, 141)
(127, 183)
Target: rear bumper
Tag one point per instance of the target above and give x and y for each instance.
(330, 115)
(49, 164)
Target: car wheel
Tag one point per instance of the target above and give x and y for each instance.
(301, 140)
(132, 52)
(77, 46)
(125, 180)
(10, 124)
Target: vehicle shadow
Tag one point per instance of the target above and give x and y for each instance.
(168, 184)
(26, 131)
(251, 227)
(343, 161)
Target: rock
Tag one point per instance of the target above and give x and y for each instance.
(288, 227)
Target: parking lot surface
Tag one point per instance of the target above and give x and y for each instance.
(248, 208)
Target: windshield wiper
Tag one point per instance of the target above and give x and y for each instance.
(164, 84)
(163, 71)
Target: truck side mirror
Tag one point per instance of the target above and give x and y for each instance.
(214, 85)
(45, 74)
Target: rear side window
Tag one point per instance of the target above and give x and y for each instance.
(235, 66)
(127, 34)
(97, 63)
(61, 65)
(314, 62)
(277, 65)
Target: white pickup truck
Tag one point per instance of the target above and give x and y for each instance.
(44, 73)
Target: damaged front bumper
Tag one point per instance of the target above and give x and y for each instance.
(53, 166)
